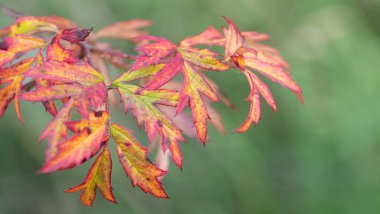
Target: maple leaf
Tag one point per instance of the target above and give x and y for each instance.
(193, 86)
(13, 75)
(133, 157)
(70, 68)
(184, 59)
(98, 177)
(10, 49)
(89, 136)
(64, 77)
(143, 105)
(269, 64)
(79, 97)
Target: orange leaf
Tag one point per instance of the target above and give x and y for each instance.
(15, 75)
(21, 43)
(98, 177)
(55, 52)
(81, 146)
(56, 130)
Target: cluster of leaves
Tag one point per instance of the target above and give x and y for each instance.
(50, 60)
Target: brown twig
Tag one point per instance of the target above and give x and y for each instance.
(29, 85)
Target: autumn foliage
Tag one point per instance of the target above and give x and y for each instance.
(52, 61)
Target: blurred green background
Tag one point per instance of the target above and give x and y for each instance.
(320, 158)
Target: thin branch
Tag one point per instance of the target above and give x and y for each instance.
(87, 52)
(10, 12)
(29, 85)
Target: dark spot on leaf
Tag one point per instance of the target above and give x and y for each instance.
(159, 123)
(103, 142)
(138, 91)
(88, 130)
(98, 113)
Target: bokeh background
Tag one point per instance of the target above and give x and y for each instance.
(323, 157)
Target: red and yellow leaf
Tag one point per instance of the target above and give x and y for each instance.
(98, 177)
(55, 52)
(70, 67)
(82, 145)
(193, 86)
(185, 60)
(168, 72)
(11, 46)
(21, 43)
(30, 24)
(133, 157)
(56, 130)
(13, 74)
